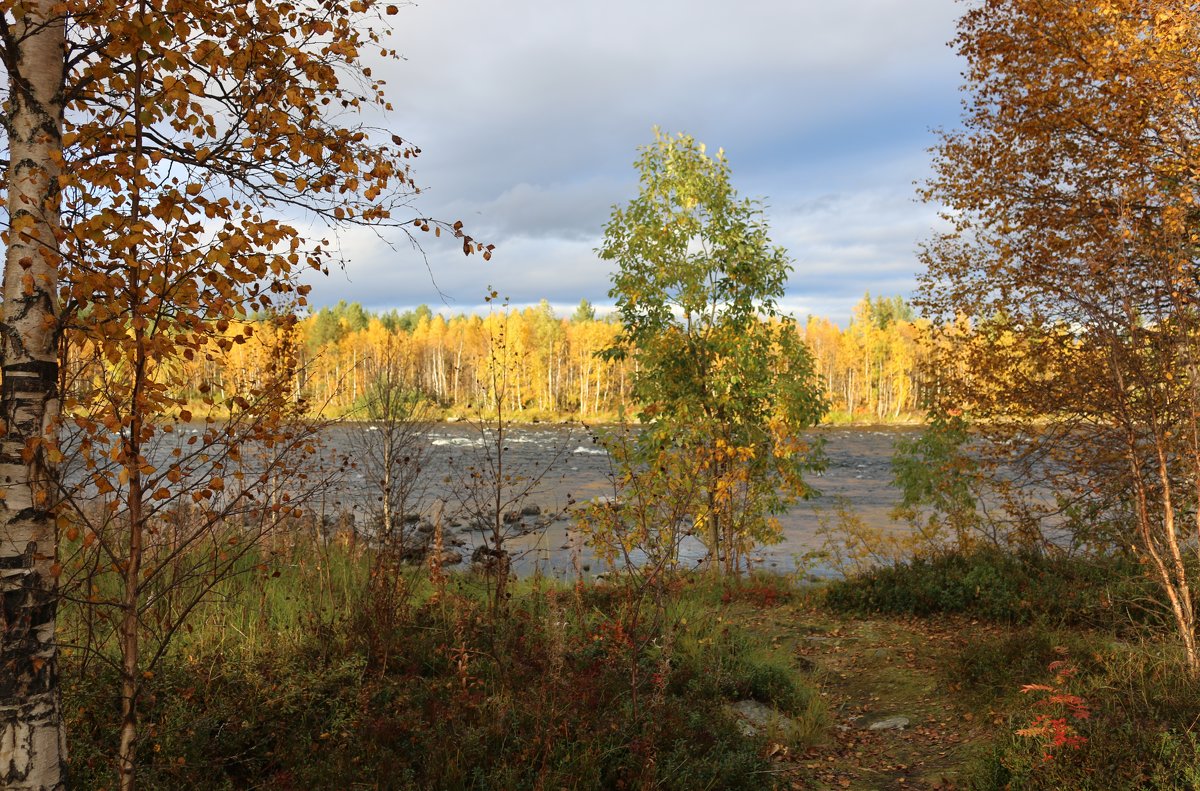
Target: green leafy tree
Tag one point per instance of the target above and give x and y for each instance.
(722, 376)
(585, 312)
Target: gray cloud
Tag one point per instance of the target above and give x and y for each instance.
(529, 113)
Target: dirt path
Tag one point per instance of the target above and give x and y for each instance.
(868, 671)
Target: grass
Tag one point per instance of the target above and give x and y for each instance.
(1138, 730)
(323, 678)
(1098, 592)
(1078, 667)
(308, 672)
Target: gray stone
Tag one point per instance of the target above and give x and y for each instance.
(486, 559)
(755, 718)
(889, 724)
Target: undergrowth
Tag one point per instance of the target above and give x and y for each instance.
(1098, 592)
(1128, 721)
(1084, 680)
(323, 678)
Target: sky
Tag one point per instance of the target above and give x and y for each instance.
(529, 114)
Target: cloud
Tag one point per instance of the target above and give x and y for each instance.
(842, 245)
(529, 114)
(573, 211)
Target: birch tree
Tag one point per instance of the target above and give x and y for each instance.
(32, 747)
(159, 153)
(1072, 190)
(721, 373)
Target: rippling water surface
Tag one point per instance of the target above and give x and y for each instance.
(572, 468)
(562, 465)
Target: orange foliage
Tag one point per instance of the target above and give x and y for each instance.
(873, 368)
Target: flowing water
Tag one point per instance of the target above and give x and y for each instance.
(555, 467)
(569, 467)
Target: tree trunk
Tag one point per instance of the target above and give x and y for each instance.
(32, 744)
(128, 636)
(714, 532)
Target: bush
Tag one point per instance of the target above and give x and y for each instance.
(566, 689)
(1098, 592)
(1138, 734)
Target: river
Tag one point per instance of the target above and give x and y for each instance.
(571, 468)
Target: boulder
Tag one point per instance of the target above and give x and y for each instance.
(450, 558)
(486, 559)
(756, 718)
(889, 724)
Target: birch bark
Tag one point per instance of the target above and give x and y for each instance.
(32, 743)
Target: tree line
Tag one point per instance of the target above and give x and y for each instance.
(871, 369)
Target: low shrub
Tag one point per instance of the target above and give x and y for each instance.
(566, 689)
(992, 668)
(1097, 592)
(1139, 706)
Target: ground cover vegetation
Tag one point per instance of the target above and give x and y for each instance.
(573, 686)
(625, 684)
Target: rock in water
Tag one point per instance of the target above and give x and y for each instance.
(486, 559)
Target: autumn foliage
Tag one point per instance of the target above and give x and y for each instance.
(1071, 191)
(873, 369)
(163, 155)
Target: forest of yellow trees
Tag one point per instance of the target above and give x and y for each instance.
(871, 370)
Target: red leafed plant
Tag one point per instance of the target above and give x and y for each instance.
(1056, 728)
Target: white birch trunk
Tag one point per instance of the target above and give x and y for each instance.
(32, 744)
